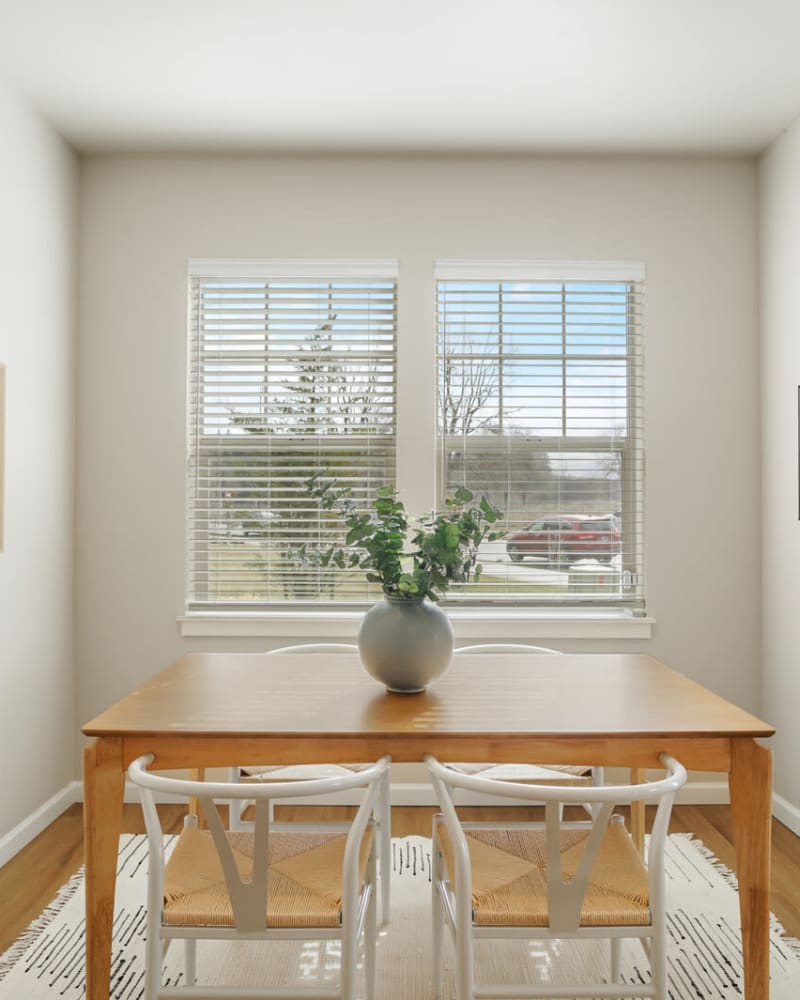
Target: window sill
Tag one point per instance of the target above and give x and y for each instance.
(468, 623)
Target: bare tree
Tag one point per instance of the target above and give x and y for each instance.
(467, 386)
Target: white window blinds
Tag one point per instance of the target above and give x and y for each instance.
(292, 372)
(540, 408)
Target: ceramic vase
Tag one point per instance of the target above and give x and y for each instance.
(405, 644)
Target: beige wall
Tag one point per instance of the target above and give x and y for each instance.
(780, 359)
(38, 209)
(692, 221)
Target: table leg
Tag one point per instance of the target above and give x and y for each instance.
(196, 774)
(750, 782)
(638, 776)
(103, 787)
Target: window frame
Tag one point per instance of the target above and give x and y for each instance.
(417, 474)
(202, 448)
(630, 449)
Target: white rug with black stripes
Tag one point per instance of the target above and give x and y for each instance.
(705, 955)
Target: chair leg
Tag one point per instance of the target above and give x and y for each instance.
(465, 963)
(190, 960)
(615, 959)
(153, 959)
(437, 931)
(385, 845)
(235, 806)
(465, 970)
(371, 940)
(658, 962)
(598, 778)
(349, 954)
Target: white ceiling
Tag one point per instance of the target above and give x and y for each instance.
(603, 76)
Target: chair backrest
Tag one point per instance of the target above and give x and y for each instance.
(317, 647)
(248, 896)
(504, 647)
(564, 898)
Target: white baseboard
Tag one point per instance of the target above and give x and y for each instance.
(419, 793)
(404, 794)
(24, 832)
(788, 814)
(704, 793)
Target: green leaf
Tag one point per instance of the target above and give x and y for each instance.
(489, 512)
(449, 535)
(356, 533)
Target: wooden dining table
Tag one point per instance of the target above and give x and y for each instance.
(221, 709)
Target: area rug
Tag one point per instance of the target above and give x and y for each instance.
(704, 942)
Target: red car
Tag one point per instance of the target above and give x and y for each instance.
(565, 539)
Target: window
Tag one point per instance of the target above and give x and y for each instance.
(539, 399)
(540, 408)
(292, 370)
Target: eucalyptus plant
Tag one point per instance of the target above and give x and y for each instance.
(442, 547)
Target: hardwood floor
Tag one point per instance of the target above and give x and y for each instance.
(31, 879)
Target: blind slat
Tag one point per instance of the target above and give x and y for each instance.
(287, 378)
(541, 401)
(540, 408)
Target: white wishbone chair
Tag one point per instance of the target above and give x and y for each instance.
(570, 774)
(266, 884)
(301, 772)
(554, 879)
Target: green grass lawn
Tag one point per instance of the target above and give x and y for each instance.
(247, 571)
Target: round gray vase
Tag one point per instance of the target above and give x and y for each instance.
(405, 644)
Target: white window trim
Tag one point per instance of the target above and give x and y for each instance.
(509, 623)
(333, 269)
(540, 270)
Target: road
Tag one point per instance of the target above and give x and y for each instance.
(494, 559)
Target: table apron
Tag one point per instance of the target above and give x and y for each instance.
(177, 751)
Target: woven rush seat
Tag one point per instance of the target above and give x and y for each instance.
(534, 774)
(305, 878)
(509, 876)
(298, 772)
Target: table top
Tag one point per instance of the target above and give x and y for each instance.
(330, 694)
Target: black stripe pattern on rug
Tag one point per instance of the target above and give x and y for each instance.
(703, 939)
